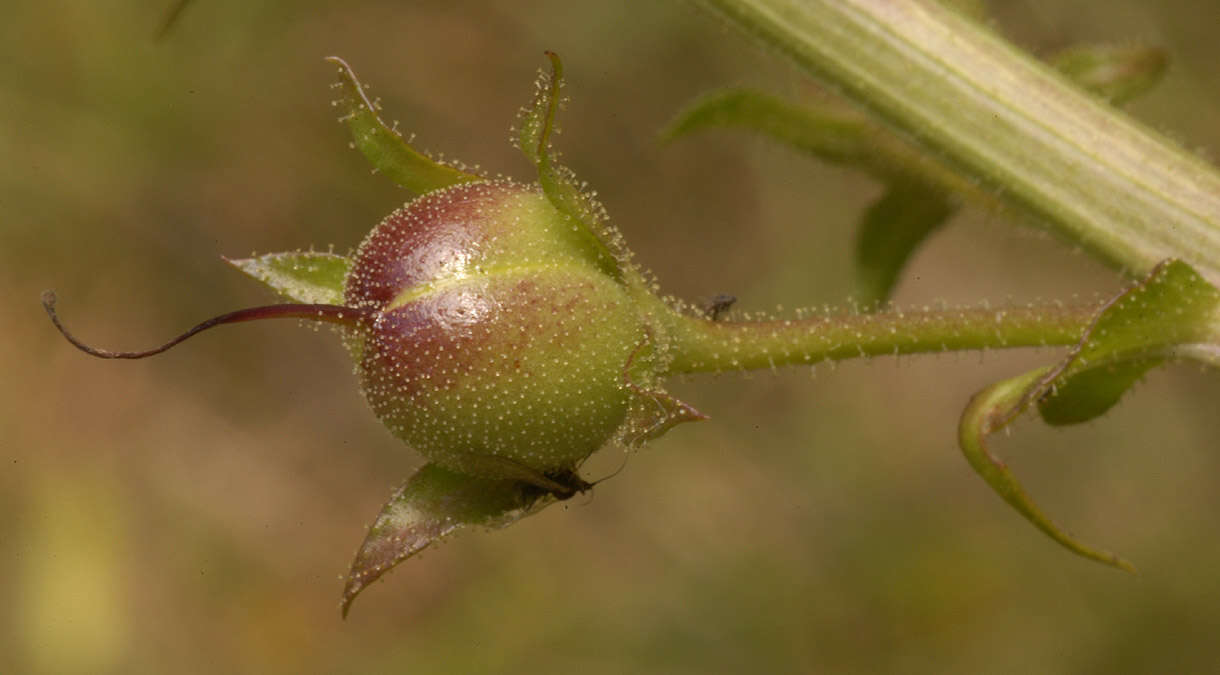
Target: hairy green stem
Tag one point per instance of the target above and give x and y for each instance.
(703, 345)
(1077, 165)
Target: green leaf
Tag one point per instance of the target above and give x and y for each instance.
(1096, 177)
(1117, 73)
(1172, 313)
(536, 124)
(889, 234)
(922, 193)
(991, 410)
(384, 147)
(1173, 305)
(431, 505)
(1137, 330)
(303, 276)
(1091, 393)
(824, 130)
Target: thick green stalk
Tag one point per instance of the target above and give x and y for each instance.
(704, 345)
(1079, 166)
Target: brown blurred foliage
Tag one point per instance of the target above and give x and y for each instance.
(192, 513)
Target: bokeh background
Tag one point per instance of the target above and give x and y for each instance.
(193, 513)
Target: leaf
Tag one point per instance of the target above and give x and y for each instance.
(1093, 392)
(921, 192)
(918, 199)
(991, 410)
(890, 232)
(384, 147)
(1172, 313)
(1137, 330)
(308, 277)
(536, 124)
(824, 130)
(1117, 73)
(431, 505)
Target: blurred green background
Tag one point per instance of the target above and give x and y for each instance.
(194, 512)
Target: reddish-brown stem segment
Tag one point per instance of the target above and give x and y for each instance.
(346, 316)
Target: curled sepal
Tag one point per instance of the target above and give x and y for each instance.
(303, 276)
(991, 410)
(432, 504)
(535, 125)
(384, 147)
(651, 414)
(536, 121)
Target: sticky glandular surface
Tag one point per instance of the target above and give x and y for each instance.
(494, 331)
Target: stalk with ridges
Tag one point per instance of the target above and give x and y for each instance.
(1077, 165)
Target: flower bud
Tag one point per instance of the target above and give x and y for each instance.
(498, 328)
(498, 335)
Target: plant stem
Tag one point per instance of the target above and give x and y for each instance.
(1077, 165)
(703, 345)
